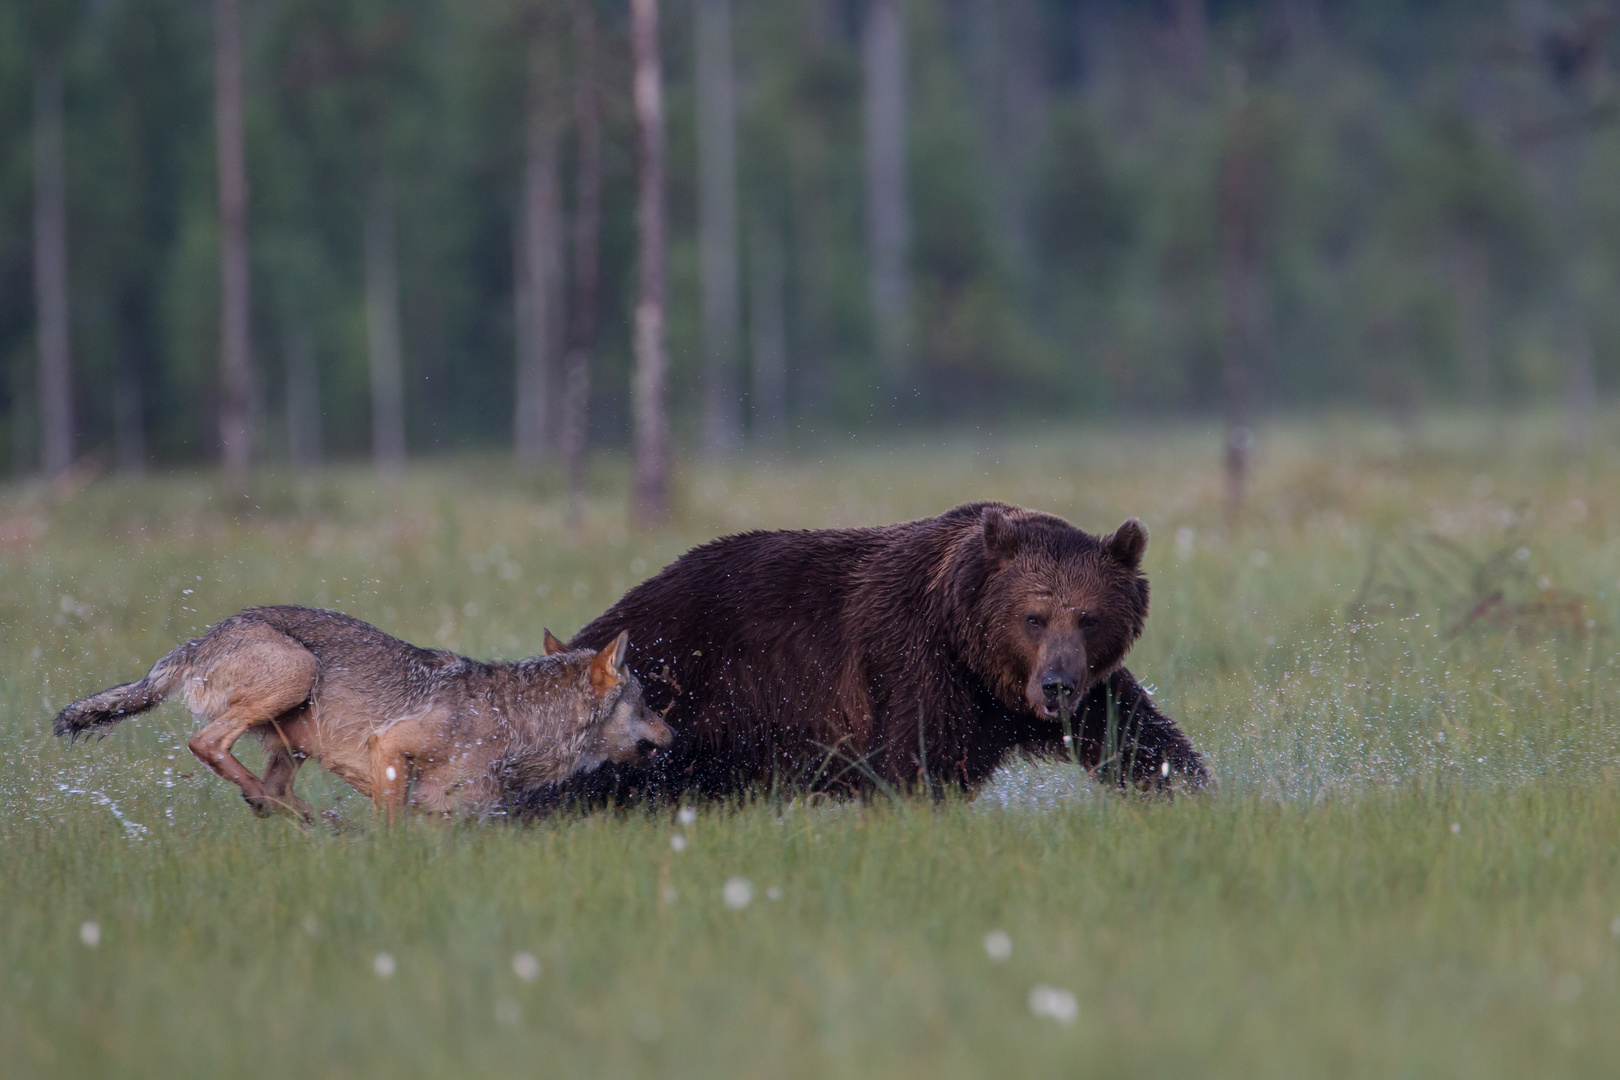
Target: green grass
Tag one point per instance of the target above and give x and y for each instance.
(1400, 660)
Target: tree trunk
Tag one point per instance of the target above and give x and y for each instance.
(540, 254)
(887, 215)
(1097, 48)
(587, 222)
(717, 223)
(236, 383)
(129, 425)
(767, 324)
(1008, 83)
(50, 271)
(1470, 286)
(1189, 41)
(382, 330)
(304, 447)
(1580, 381)
(1238, 290)
(652, 360)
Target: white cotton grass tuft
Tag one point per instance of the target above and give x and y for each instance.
(998, 946)
(1053, 1003)
(383, 965)
(90, 933)
(686, 816)
(525, 966)
(737, 893)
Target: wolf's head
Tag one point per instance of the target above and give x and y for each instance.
(625, 730)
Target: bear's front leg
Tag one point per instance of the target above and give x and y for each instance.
(1123, 733)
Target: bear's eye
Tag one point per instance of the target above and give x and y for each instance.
(1087, 620)
(1037, 622)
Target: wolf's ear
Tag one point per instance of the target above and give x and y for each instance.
(607, 666)
(1126, 544)
(1000, 535)
(552, 645)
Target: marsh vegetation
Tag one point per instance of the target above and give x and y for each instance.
(1400, 662)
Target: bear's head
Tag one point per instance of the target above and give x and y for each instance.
(1059, 606)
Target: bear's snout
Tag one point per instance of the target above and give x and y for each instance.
(1056, 690)
(1056, 685)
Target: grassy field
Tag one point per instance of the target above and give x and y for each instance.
(1400, 661)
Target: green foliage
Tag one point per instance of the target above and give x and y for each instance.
(1087, 209)
(1064, 170)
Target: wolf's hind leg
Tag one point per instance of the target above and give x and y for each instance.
(255, 683)
(284, 753)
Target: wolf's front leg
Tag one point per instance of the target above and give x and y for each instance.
(390, 776)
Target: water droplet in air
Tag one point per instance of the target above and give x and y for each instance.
(997, 945)
(90, 933)
(383, 965)
(677, 842)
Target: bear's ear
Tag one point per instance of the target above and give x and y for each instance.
(1000, 535)
(1126, 544)
(552, 645)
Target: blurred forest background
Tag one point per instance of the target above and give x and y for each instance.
(283, 229)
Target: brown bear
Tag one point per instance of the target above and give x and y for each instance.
(912, 654)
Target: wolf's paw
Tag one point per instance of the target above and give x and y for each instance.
(340, 824)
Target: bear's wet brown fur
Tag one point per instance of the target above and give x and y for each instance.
(927, 650)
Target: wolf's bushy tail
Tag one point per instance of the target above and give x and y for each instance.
(110, 706)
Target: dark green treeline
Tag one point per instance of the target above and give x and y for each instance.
(1111, 207)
